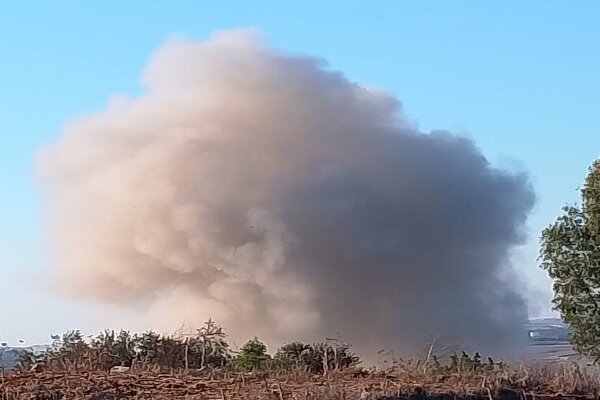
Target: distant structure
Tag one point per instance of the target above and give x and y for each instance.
(9, 357)
(548, 330)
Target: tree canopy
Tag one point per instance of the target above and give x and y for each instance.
(570, 253)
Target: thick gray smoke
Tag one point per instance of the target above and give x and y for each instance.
(277, 197)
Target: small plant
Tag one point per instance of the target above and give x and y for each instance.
(463, 363)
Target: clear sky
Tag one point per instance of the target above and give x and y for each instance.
(519, 78)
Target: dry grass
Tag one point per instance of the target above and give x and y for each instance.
(403, 379)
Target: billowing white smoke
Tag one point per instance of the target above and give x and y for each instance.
(277, 197)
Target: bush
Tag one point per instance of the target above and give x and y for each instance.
(253, 355)
(317, 357)
(206, 348)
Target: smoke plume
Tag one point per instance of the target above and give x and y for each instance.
(283, 200)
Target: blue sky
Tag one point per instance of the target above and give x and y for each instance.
(519, 78)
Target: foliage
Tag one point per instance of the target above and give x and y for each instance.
(464, 363)
(331, 356)
(25, 361)
(253, 355)
(292, 355)
(570, 253)
(69, 353)
(148, 350)
(147, 345)
(109, 349)
(207, 347)
(317, 357)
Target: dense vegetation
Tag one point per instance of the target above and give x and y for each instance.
(570, 253)
(206, 348)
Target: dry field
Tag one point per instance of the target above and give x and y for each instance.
(403, 380)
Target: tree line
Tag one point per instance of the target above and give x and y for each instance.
(206, 348)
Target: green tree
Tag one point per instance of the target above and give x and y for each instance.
(570, 253)
(124, 348)
(252, 355)
(293, 355)
(317, 358)
(147, 345)
(71, 353)
(109, 349)
(171, 353)
(332, 354)
(102, 348)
